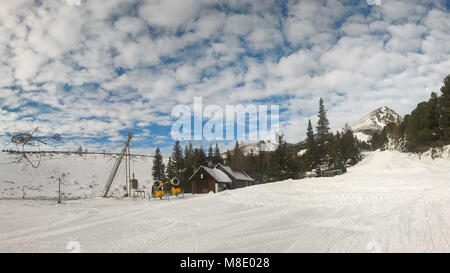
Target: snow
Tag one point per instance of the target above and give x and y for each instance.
(376, 120)
(438, 152)
(218, 175)
(264, 145)
(237, 175)
(82, 176)
(389, 202)
(362, 137)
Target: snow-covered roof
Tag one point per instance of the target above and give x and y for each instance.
(217, 174)
(235, 174)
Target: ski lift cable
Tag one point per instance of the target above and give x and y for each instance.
(45, 159)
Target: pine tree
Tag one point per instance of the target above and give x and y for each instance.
(210, 157)
(250, 163)
(334, 150)
(158, 169)
(217, 156)
(348, 146)
(416, 136)
(432, 130)
(176, 161)
(260, 168)
(444, 111)
(311, 148)
(200, 157)
(228, 158)
(170, 169)
(238, 158)
(323, 130)
(280, 157)
(189, 167)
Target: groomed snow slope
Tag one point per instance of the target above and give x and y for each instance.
(82, 176)
(390, 202)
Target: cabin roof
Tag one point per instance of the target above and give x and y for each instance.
(238, 175)
(217, 174)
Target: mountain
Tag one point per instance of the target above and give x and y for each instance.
(262, 145)
(375, 122)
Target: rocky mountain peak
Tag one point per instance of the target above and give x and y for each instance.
(376, 120)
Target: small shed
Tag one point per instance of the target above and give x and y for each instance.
(206, 179)
(239, 178)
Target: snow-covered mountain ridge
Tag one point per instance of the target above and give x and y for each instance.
(263, 145)
(375, 122)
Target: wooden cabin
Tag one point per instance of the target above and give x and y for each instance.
(218, 179)
(206, 180)
(239, 178)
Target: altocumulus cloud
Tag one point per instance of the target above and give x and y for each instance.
(93, 71)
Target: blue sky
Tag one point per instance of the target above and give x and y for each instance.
(92, 72)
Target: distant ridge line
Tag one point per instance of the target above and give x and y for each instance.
(69, 152)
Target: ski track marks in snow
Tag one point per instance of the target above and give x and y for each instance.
(390, 202)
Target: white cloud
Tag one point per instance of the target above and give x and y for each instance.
(170, 13)
(144, 57)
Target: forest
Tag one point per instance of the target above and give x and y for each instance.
(427, 126)
(338, 150)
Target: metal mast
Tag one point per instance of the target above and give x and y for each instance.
(117, 164)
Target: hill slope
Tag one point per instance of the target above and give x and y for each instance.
(390, 202)
(82, 176)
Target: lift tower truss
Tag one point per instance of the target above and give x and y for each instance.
(117, 164)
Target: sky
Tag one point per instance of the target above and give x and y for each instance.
(94, 71)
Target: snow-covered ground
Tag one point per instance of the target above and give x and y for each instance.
(82, 176)
(390, 202)
(363, 137)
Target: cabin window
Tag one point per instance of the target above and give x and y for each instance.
(201, 176)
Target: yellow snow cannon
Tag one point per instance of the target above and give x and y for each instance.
(158, 186)
(176, 191)
(175, 186)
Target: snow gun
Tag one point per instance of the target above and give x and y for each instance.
(158, 186)
(175, 186)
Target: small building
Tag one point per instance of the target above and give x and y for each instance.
(218, 179)
(239, 178)
(205, 180)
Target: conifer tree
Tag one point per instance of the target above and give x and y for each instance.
(210, 157)
(200, 157)
(158, 169)
(189, 167)
(217, 156)
(237, 158)
(348, 146)
(311, 148)
(176, 161)
(170, 169)
(228, 158)
(260, 168)
(323, 130)
(280, 157)
(444, 111)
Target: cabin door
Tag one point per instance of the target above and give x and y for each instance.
(204, 187)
